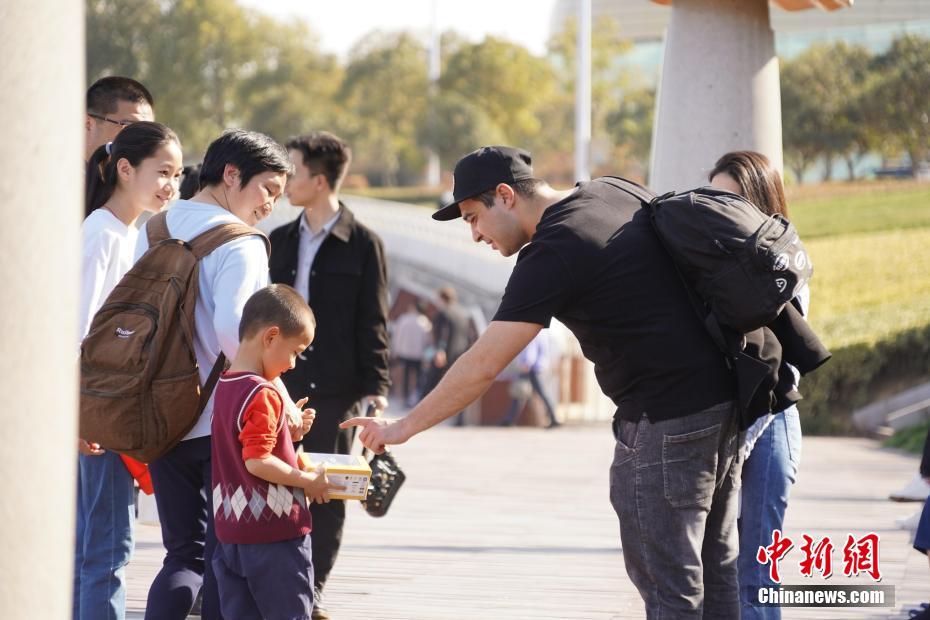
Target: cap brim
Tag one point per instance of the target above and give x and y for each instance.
(448, 212)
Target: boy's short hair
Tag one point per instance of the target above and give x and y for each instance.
(324, 153)
(277, 305)
(251, 152)
(104, 95)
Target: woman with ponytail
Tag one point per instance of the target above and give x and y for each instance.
(137, 172)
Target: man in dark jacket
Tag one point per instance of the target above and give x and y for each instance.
(338, 265)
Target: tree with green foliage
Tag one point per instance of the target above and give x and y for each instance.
(802, 114)
(384, 93)
(630, 126)
(611, 82)
(294, 85)
(505, 82)
(454, 126)
(898, 98)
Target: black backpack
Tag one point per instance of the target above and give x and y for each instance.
(744, 265)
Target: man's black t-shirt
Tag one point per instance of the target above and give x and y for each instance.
(596, 265)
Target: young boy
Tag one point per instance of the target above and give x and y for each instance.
(262, 561)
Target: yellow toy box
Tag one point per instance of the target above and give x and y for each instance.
(348, 470)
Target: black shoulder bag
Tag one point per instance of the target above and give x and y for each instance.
(386, 478)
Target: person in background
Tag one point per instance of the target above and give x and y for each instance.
(533, 360)
(338, 266)
(136, 173)
(410, 337)
(451, 338)
(190, 184)
(922, 536)
(114, 103)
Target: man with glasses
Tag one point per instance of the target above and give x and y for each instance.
(113, 103)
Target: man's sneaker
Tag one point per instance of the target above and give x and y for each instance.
(319, 612)
(916, 490)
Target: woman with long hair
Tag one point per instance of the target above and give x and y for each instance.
(772, 446)
(137, 172)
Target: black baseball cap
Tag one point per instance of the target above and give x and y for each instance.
(482, 170)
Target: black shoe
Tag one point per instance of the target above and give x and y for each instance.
(554, 424)
(319, 612)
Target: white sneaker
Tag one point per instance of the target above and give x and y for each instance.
(916, 490)
(909, 523)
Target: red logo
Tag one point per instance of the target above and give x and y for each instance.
(773, 553)
(861, 556)
(817, 557)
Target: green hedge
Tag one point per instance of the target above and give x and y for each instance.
(860, 374)
(909, 439)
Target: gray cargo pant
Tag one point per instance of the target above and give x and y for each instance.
(675, 486)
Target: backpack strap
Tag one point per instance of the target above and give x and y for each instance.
(157, 228)
(636, 190)
(220, 365)
(201, 245)
(207, 241)
(707, 318)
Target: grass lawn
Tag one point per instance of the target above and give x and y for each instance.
(836, 209)
(867, 286)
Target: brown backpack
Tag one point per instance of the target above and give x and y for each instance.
(140, 383)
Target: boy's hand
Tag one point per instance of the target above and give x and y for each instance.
(299, 428)
(318, 486)
(89, 449)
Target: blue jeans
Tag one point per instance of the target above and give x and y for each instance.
(768, 473)
(674, 485)
(104, 537)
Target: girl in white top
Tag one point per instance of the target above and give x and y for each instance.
(138, 171)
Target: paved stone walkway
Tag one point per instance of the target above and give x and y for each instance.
(516, 523)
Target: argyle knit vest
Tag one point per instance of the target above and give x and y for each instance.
(247, 509)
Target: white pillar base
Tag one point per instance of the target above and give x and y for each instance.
(719, 90)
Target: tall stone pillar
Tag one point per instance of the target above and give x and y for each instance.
(719, 90)
(41, 187)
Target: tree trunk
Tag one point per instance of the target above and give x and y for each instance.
(851, 167)
(827, 168)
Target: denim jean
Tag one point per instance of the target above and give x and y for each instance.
(674, 485)
(768, 473)
(104, 537)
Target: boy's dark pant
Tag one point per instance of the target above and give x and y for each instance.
(182, 480)
(267, 581)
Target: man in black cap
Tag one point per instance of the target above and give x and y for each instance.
(590, 258)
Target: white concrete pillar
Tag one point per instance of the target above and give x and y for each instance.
(41, 188)
(719, 90)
